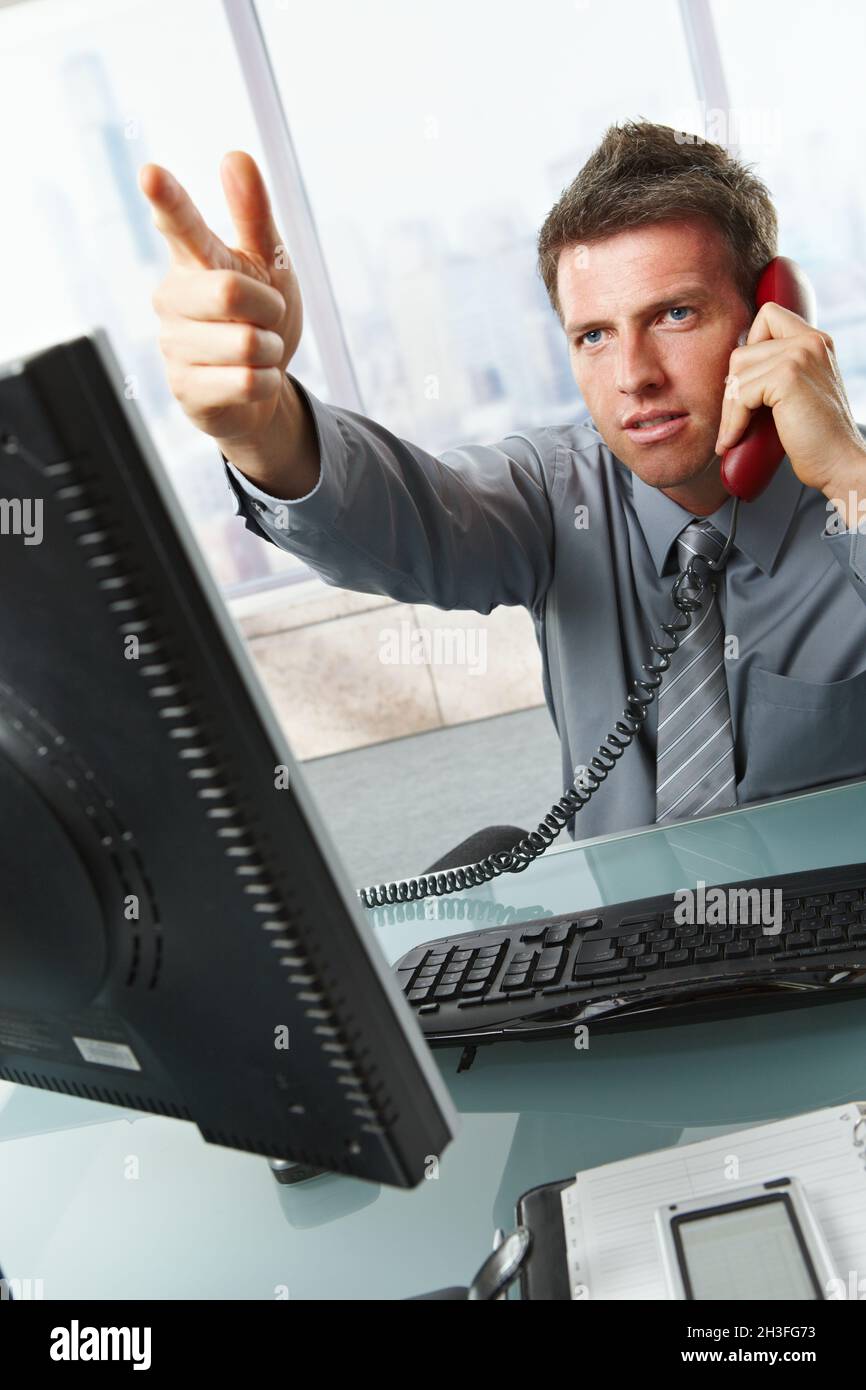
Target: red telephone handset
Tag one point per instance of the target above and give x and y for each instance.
(749, 466)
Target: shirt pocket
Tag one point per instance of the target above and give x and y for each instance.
(799, 734)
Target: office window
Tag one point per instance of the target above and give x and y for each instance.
(433, 141)
(90, 91)
(795, 78)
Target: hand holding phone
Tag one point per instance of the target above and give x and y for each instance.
(748, 467)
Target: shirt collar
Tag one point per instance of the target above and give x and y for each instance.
(761, 525)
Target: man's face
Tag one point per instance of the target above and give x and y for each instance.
(652, 316)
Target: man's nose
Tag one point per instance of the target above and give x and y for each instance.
(638, 366)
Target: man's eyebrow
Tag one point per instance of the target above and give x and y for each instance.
(679, 296)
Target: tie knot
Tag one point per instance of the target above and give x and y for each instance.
(699, 538)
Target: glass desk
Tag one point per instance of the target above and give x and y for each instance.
(98, 1202)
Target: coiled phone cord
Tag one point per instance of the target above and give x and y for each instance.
(688, 587)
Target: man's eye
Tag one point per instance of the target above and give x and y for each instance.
(586, 339)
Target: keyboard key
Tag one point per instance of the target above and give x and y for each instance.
(637, 950)
(533, 934)
(813, 951)
(428, 973)
(650, 961)
(417, 995)
(736, 950)
(489, 952)
(428, 1009)
(640, 923)
(766, 945)
(512, 982)
(554, 936)
(818, 900)
(523, 957)
(828, 935)
(460, 956)
(594, 981)
(608, 967)
(551, 958)
(474, 987)
(544, 977)
(703, 953)
(443, 992)
(475, 975)
(596, 950)
(414, 958)
(452, 977)
(795, 939)
(678, 957)
(437, 957)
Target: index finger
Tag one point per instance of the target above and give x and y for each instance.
(190, 239)
(775, 321)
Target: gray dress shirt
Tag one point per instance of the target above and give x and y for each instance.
(551, 520)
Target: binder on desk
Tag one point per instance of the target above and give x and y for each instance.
(593, 1236)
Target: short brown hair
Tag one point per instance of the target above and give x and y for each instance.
(643, 173)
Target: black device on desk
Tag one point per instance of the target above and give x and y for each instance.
(177, 934)
(635, 963)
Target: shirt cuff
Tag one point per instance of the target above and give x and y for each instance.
(317, 507)
(250, 489)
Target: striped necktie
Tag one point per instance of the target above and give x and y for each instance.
(695, 748)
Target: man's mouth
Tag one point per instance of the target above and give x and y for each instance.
(662, 426)
(656, 420)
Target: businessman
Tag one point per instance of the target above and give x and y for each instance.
(650, 259)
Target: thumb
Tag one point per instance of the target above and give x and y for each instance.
(250, 206)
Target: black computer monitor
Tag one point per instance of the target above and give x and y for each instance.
(177, 933)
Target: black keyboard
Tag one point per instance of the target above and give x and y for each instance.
(618, 965)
